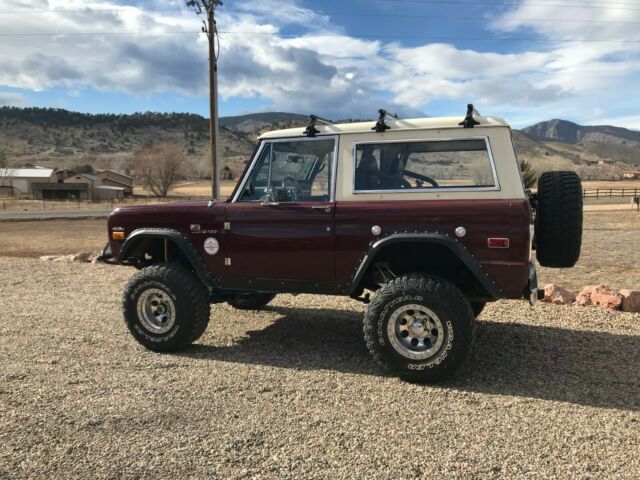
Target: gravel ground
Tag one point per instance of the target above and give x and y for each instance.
(548, 392)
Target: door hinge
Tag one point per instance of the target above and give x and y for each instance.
(227, 225)
(227, 262)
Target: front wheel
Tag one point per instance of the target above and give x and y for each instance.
(165, 307)
(419, 327)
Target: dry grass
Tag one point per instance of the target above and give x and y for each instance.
(592, 185)
(194, 189)
(34, 239)
(610, 251)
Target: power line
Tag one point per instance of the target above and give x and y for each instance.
(584, 4)
(603, 5)
(371, 15)
(445, 17)
(337, 35)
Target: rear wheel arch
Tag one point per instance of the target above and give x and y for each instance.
(432, 253)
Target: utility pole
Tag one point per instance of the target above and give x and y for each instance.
(211, 30)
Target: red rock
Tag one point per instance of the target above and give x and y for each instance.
(599, 296)
(558, 295)
(630, 301)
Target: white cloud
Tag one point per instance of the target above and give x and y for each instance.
(9, 99)
(324, 71)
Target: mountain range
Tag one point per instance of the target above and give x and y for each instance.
(63, 139)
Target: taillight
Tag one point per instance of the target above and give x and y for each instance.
(498, 242)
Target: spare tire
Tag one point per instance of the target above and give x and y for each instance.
(559, 219)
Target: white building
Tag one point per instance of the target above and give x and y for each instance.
(23, 179)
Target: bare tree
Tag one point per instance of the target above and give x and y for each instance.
(159, 166)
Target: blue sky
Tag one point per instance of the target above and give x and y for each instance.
(527, 60)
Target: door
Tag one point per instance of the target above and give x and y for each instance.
(281, 225)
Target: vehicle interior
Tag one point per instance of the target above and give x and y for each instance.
(423, 165)
(292, 171)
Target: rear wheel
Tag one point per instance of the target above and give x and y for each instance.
(419, 327)
(166, 308)
(251, 301)
(559, 219)
(477, 308)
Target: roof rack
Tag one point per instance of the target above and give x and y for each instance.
(311, 129)
(469, 121)
(382, 127)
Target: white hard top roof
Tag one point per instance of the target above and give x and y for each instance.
(395, 124)
(26, 172)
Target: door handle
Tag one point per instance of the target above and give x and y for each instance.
(321, 207)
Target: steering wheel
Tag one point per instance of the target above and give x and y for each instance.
(424, 178)
(289, 182)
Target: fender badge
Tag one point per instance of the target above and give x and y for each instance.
(211, 246)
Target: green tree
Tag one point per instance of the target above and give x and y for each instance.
(529, 175)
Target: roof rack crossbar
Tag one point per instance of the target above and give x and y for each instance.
(469, 121)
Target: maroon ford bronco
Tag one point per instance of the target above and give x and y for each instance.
(430, 215)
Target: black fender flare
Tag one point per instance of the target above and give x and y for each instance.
(453, 244)
(179, 240)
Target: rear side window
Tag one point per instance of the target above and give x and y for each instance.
(424, 165)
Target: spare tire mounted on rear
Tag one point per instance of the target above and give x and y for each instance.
(559, 219)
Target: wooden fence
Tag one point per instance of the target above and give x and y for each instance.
(611, 192)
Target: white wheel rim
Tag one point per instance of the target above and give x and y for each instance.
(156, 311)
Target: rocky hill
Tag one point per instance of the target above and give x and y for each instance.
(572, 133)
(63, 139)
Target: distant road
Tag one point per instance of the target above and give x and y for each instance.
(53, 215)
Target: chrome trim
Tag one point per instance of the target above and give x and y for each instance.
(492, 163)
(267, 141)
(249, 171)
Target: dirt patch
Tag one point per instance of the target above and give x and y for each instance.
(52, 237)
(610, 249)
(548, 392)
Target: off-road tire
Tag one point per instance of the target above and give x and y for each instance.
(253, 301)
(559, 219)
(442, 298)
(188, 295)
(477, 308)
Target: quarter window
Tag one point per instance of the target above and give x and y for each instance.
(292, 171)
(423, 165)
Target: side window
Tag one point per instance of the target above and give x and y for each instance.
(292, 171)
(423, 165)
